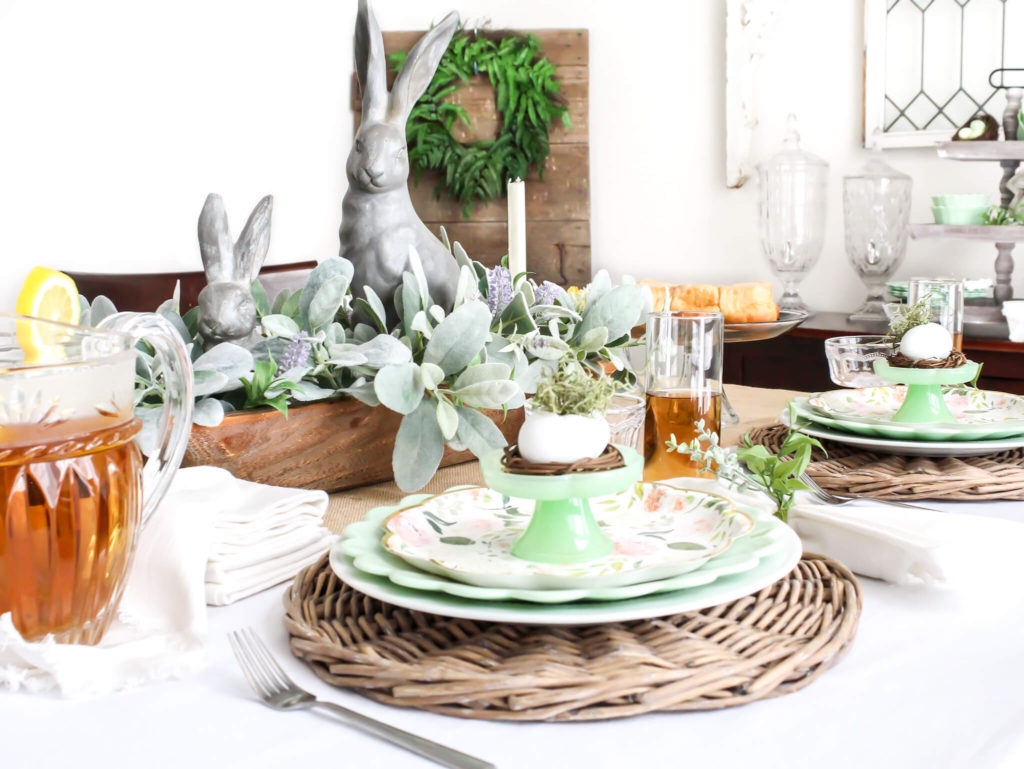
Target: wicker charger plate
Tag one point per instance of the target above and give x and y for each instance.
(849, 470)
(768, 644)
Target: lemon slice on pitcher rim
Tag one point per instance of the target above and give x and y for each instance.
(50, 295)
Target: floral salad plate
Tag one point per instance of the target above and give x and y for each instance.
(658, 530)
(980, 414)
(360, 557)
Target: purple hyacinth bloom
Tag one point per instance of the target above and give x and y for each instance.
(545, 293)
(296, 355)
(499, 289)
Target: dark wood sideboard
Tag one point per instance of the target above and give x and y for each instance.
(796, 361)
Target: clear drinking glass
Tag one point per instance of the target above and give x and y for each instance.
(71, 475)
(792, 194)
(684, 385)
(947, 299)
(625, 417)
(876, 212)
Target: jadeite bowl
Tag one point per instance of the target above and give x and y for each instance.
(959, 215)
(962, 200)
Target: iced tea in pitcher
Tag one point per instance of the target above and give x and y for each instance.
(71, 472)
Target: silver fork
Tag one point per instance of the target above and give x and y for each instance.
(277, 690)
(832, 499)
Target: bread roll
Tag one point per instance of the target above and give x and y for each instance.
(698, 296)
(659, 292)
(748, 303)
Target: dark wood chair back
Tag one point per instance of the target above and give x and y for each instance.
(143, 292)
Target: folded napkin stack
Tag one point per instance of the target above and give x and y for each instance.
(214, 539)
(262, 535)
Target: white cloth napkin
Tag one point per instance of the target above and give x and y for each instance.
(213, 539)
(262, 536)
(894, 544)
(904, 546)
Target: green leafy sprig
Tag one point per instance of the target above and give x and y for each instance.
(1000, 216)
(906, 317)
(777, 475)
(526, 96)
(265, 388)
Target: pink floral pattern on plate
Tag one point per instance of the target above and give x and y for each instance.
(657, 529)
(968, 405)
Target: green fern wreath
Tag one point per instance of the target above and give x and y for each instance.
(527, 99)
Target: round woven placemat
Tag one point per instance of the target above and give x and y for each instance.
(850, 470)
(765, 645)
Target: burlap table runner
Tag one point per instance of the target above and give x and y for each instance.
(755, 405)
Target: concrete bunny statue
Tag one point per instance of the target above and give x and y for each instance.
(379, 224)
(227, 312)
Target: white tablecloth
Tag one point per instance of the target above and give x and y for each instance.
(934, 680)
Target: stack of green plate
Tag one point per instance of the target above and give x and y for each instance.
(986, 421)
(677, 549)
(973, 289)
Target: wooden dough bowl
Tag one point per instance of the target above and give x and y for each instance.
(331, 446)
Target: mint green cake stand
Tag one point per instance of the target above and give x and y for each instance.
(562, 528)
(924, 402)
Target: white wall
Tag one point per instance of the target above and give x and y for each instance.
(119, 117)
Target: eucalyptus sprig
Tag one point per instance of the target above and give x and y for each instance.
(777, 475)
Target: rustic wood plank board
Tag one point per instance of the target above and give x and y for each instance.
(559, 251)
(563, 194)
(557, 205)
(477, 98)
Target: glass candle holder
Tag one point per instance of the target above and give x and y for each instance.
(947, 300)
(684, 386)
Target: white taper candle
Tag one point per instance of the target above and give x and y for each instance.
(516, 226)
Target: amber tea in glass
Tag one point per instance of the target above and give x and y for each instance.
(684, 386)
(71, 504)
(947, 300)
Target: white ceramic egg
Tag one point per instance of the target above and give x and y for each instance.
(928, 341)
(547, 437)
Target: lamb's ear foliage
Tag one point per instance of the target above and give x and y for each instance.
(371, 66)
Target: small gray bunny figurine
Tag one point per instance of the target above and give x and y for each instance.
(379, 224)
(227, 312)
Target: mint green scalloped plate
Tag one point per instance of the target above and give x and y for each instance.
(360, 556)
(907, 431)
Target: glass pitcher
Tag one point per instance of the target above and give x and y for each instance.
(71, 474)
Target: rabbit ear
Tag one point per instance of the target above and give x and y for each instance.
(371, 65)
(251, 247)
(419, 68)
(215, 240)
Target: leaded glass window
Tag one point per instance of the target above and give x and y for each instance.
(929, 63)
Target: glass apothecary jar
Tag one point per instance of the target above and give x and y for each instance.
(793, 190)
(876, 215)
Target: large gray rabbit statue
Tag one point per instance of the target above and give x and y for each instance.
(227, 312)
(378, 223)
